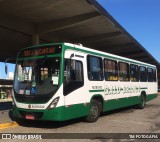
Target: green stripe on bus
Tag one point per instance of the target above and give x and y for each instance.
(96, 90)
(144, 88)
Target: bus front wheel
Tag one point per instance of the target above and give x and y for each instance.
(94, 112)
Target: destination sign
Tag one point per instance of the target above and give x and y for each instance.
(40, 51)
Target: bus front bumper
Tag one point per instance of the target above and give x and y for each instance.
(55, 114)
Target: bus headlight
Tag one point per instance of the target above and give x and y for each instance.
(53, 103)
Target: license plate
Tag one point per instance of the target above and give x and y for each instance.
(30, 117)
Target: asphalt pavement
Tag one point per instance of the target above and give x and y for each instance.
(6, 118)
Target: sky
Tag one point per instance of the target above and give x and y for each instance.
(140, 18)
(2, 70)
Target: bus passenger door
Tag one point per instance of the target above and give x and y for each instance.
(74, 92)
(73, 75)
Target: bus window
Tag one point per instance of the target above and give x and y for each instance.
(142, 74)
(110, 70)
(73, 75)
(151, 75)
(37, 77)
(95, 70)
(154, 76)
(123, 71)
(134, 73)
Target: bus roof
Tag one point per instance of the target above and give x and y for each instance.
(111, 56)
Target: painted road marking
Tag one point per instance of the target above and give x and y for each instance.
(8, 125)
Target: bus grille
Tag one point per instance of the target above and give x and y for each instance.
(27, 99)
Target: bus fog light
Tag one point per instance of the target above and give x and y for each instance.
(54, 103)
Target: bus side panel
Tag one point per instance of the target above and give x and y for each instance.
(75, 111)
(151, 97)
(152, 91)
(120, 103)
(119, 94)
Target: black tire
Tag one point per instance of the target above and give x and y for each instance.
(94, 112)
(142, 103)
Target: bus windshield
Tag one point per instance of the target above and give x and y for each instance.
(37, 77)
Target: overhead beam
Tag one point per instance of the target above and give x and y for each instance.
(124, 45)
(126, 54)
(153, 63)
(96, 38)
(132, 54)
(5, 55)
(120, 52)
(15, 24)
(6, 82)
(144, 57)
(65, 23)
(118, 47)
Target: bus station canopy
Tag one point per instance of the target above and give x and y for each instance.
(28, 22)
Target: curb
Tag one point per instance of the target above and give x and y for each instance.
(8, 125)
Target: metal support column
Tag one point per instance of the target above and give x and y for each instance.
(35, 39)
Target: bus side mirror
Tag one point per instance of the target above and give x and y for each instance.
(6, 68)
(72, 55)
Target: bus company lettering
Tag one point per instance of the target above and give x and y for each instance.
(111, 90)
(97, 87)
(35, 106)
(36, 52)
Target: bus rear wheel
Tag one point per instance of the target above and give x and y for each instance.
(142, 103)
(94, 112)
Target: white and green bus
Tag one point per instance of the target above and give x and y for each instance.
(64, 81)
